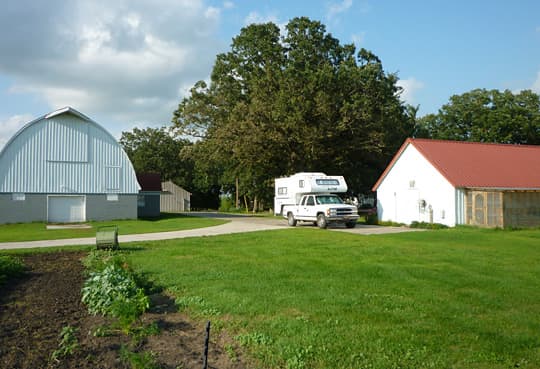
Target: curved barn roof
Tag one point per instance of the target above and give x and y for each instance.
(65, 152)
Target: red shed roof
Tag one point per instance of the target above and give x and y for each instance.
(149, 181)
(478, 165)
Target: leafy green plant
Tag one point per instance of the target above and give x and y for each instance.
(138, 360)
(10, 267)
(68, 343)
(97, 260)
(113, 292)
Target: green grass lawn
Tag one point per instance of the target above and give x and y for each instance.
(307, 298)
(167, 222)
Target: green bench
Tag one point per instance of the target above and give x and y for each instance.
(107, 237)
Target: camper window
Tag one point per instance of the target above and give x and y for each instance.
(327, 182)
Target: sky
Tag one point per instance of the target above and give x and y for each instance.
(128, 63)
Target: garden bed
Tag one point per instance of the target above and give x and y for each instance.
(36, 307)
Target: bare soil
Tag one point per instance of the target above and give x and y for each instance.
(34, 309)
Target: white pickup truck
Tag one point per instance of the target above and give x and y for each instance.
(321, 209)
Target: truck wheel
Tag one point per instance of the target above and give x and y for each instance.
(350, 224)
(321, 221)
(291, 220)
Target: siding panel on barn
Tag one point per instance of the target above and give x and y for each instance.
(522, 209)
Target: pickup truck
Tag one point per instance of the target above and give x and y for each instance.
(322, 210)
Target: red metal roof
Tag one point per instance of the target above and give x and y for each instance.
(478, 165)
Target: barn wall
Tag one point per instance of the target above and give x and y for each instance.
(32, 209)
(175, 200)
(99, 208)
(522, 209)
(413, 190)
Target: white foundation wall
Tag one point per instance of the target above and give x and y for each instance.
(413, 190)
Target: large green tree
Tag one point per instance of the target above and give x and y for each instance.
(299, 101)
(486, 116)
(156, 150)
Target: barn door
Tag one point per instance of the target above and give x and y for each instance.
(66, 209)
(484, 208)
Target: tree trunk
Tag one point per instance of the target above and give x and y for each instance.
(246, 204)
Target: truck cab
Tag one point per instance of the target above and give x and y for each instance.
(322, 209)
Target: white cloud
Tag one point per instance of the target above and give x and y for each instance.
(358, 38)
(335, 9)
(228, 5)
(9, 126)
(255, 17)
(124, 59)
(536, 85)
(409, 86)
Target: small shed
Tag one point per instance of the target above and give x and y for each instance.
(148, 199)
(451, 182)
(174, 199)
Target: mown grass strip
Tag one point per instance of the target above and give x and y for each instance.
(167, 222)
(306, 298)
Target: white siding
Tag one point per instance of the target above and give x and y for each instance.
(411, 180)
(65, 153)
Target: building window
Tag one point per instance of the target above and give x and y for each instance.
(112, 197)
(282, 190)
(412, 184)
(18, 196)
(140, 201)
(301, 183)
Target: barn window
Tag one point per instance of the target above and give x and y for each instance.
(112, 197)
(18, 196)
(112, 177)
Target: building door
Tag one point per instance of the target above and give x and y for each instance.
(484, 208)
(66, 209)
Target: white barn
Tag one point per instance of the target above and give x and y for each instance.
(64, 167)
(450, 182)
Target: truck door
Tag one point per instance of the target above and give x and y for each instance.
(307, 209)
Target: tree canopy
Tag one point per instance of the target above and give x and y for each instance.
(155, 150)
(486, 116)
(279, 103)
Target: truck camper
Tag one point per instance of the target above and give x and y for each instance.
(310, 197)
(289, 190)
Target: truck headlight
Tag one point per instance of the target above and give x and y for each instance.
(331, 212)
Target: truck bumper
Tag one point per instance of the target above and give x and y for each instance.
(342, 219)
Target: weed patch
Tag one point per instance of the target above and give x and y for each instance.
(10, 267)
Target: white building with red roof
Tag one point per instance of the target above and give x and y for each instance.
(451, 182)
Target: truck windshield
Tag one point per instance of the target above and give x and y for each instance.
(329, 199)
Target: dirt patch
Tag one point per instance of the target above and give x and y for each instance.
(35, 308)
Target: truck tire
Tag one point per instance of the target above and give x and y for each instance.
(290, 219)
(350, 224)
(321, 221)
